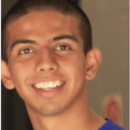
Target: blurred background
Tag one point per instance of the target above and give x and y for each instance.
(108, 93)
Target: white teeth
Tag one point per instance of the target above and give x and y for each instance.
(51, 84)
(45, 85)
(58, 83)
(48, 85)
(41, 85)
(55, 84)
(37, 85)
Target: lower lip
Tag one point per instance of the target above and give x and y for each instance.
(50, 93)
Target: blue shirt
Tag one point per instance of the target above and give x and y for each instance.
(110, 125)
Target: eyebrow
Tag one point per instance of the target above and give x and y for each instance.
(71, 37)
(25, 41)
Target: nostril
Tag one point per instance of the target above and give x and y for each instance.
(46, 69)
(41, 69)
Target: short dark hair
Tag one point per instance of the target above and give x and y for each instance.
(67, 7)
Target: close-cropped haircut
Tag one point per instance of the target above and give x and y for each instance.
(66, 7)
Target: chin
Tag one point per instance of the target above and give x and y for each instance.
(50, 109)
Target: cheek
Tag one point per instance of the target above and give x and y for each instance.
(74, 70)
(74, 67)
(20, 75)
(19, 72)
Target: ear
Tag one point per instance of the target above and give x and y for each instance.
(5, 75)
(93, 60)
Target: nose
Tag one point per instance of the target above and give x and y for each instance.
(46, 62)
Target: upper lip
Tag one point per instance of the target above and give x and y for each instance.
(48, 79)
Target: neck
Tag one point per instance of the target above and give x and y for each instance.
(77, 117)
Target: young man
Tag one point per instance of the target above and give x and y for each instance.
(47, 56)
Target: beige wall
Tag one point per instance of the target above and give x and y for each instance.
(109, 19)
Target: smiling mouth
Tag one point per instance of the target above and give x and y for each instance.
(48, 85)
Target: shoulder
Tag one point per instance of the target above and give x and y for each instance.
(110, 125)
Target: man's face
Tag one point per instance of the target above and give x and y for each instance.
(46, 50)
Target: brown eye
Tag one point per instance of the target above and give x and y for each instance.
(63, 47)
(26, 51)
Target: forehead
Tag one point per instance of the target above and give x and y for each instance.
(44, 18)
(43, 23)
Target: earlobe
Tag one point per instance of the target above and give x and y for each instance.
(93, 60)
(5, 75)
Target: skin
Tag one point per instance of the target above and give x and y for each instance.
(69, 108)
